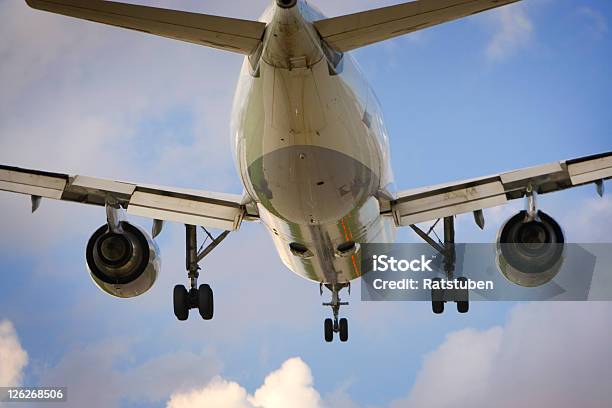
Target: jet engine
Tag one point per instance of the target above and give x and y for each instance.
(124, 263)
(286, 3)
(530, 249)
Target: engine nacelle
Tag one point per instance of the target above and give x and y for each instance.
(286, 3)
(530, 252)
(123, 264)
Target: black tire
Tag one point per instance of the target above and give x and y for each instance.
(463, 301)
(437, 306)
(180, 299)
(343, 326)
(328, 325)
(206, 302)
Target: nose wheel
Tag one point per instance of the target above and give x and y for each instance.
(201, 297)
(335, 325)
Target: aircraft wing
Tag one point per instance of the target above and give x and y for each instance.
(193, 207)
(230, 34)
(430, 203)
(352, 31)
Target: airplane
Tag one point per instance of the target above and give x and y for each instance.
(312, 151)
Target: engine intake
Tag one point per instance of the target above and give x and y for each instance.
(123, 264)
(530, 252)
(286, 3)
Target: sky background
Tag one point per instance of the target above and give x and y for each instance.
(520, 86)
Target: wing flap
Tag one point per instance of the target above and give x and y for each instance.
(590, 170)
(31, 190)
(457, 200)
(519, 176)
(47, 185)
(224, 215)
(352, 31)
(228, 34)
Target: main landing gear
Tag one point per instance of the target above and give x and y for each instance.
(201, 297)
(440, 296)
(336, 325)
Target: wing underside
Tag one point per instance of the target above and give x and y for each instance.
(430, 203)
(352, 31)
(194, 207)
(230, 34)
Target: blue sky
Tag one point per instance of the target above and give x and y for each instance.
(498, 91)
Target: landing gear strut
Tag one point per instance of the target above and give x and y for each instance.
(336, 325)
(201, 297)
(447, 249)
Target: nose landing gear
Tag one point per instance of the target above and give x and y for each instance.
(335, 325)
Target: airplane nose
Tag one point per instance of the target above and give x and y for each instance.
(286, 3)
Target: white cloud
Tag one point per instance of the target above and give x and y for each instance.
(547, 354)
(218, 393)
(447, 365)
(13, 358)
(290, 385)
(598, 24)
(590, 221)
(84, 370)
(514, 31)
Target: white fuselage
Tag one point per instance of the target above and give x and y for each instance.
(311, 148)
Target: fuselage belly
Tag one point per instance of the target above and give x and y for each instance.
(312, 149)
